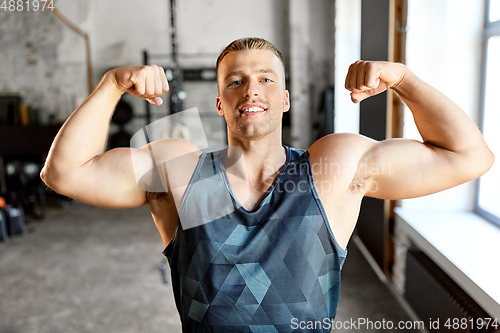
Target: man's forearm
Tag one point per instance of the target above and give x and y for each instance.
(439, 120)
(83, 135)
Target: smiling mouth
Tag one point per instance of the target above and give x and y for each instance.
(252, 110)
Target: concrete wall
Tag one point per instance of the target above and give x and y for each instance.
(44, 61)
(311, 65)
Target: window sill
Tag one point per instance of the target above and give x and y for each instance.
(464, 245)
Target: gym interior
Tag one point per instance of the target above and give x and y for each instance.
(69, 267)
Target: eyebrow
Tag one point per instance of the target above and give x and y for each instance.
(238, 73)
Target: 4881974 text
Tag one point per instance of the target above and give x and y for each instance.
(27, 5)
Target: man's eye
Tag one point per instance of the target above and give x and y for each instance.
(266, 80)
(235, 83)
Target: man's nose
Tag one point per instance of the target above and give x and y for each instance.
(251, 88)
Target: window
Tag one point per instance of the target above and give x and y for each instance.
(487, 203)
(494, 10)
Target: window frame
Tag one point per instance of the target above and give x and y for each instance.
(491, 29)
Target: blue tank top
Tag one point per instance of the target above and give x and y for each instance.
(272, 269)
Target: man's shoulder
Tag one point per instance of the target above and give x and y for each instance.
(172, 163)
(340, 145)
(172, 148)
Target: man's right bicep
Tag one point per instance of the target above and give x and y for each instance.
(123, 177)
(119, 178)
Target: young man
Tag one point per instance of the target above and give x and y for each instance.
(256, 234)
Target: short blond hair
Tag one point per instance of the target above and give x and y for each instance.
(250, 43)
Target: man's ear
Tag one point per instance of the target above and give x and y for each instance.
(286, 101)
(218, 104)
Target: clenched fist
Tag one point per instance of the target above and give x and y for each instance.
(148, 82)
(369, 78)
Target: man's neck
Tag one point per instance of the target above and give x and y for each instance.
(262, 158)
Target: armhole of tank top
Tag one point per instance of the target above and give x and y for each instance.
(320, 205)
(182, 207)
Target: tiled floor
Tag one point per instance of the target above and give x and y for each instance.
(88, 269)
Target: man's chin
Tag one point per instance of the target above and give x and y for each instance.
(254, 132)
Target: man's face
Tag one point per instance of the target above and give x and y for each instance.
(252, 95)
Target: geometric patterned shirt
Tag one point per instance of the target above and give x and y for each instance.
(272, 269)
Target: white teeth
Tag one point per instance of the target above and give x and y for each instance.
(254, 109)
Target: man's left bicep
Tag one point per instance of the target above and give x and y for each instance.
(404, 168)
